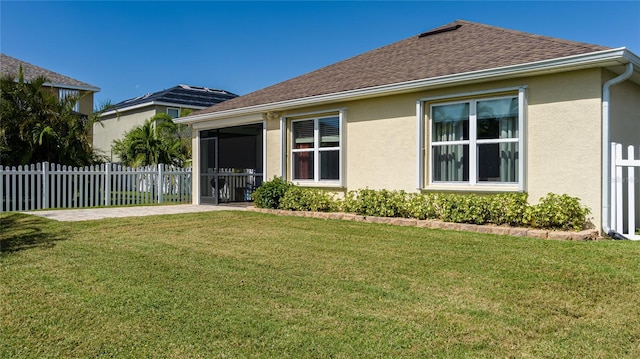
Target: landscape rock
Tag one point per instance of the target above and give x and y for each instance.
(586, 235)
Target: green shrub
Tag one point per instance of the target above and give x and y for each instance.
(469, 208)
(421, 206)
(553, 212)
(382, 203)
(557, 212)
(269, 194)
(507, 208)
(307, 199)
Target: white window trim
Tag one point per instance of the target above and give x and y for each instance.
(424, 145)
(173, 108)
(289, 150)
(64, 93)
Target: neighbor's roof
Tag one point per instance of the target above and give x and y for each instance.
(181, 95)
(455, 48)
(11, 66)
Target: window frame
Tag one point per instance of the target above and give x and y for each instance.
(316, 151)
(173, 108)
(473, 183)
(63, 93)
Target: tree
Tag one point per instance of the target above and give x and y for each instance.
(158, 140)
(36, 126)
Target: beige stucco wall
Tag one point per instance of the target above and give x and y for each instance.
(625, 124)
(562, 137)
(625, 113)
(86, 102)
(379, 142)
(113, 127)
(272, 166)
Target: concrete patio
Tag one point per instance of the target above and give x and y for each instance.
(87, 214)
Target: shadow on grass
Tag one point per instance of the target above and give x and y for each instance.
(20, 232)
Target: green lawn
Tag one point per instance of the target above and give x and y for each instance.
(240, 284)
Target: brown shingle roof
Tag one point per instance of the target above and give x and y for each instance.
(11, 66)
(469, 47)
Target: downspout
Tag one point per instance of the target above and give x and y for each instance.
(606, 95)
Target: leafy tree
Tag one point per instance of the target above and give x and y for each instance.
(158, 140)
(36, 126)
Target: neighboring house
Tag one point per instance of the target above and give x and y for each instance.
(61, 85)
(465, 107)
(123, 116)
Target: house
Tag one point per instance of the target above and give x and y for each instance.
(465, 107)
(61, 85)
(125, 115)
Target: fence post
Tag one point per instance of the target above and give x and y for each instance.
(107, 184)
(2, 191)
(631, 191)
(45, 185)
(160, 180)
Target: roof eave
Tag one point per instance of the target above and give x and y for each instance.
(151, 103)
(72, 87)
(604, 58)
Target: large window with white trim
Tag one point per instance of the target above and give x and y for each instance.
(316, 149)
(476, 141)
(173, 112)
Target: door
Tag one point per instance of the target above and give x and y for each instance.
(209, 171)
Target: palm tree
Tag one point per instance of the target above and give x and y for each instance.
(158, 140)
(36, 126)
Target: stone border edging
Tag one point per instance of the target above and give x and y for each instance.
(586, 235)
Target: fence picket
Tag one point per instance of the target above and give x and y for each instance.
(48, 185)
(621, 204)
(39, 185)
(13, 189)
(2, 189)
(20, 194)
(57, 203)
(631, 191)
(120, 187)
(32, 186)
(92, 186)
(96, 186)
(83, 187)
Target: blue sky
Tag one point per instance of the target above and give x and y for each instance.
(132, 48)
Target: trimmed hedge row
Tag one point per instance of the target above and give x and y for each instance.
(552, 212)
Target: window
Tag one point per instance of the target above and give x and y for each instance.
(74, 95)
(476, 142)
(173, 112)
(315, 149)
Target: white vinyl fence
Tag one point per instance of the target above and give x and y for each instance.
(47, 185)
(625, 175)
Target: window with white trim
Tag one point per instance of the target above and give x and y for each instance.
(173, 112)
(73, 95)
(316, 149)
(476, 141)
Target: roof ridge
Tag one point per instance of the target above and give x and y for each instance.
(585, 45)
(449, 52)
(202, 88)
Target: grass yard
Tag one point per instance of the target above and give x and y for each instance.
(240, 284)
